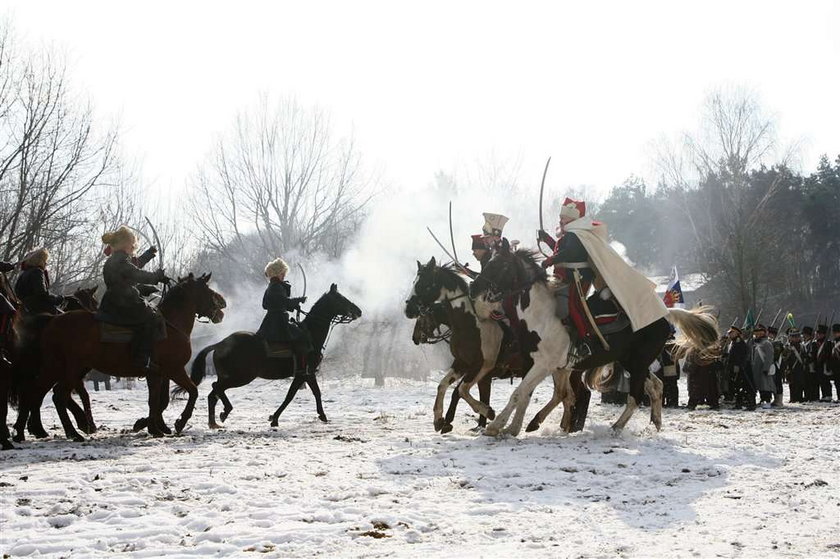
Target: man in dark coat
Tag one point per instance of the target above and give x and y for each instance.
(778, 348)
(793, 365)
(702, 381)
(276, 327)
(737, 368)
(123, 303)
(820, 353)
(669, 373)
(33, 284)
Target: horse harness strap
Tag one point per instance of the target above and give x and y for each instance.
(587, 312)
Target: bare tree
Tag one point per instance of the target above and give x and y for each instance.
(732, 218)
(55, 164)
(279, 183)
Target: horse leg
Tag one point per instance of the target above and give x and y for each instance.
(212, 398)
(653, 388)
(444, 384)
(519, 416)
(484, 388)
(520, 397)
(182, 379)
(153, 419)
(78, 414)
(297, 382)
(164, 403)
(33, 421)
(5, 382)
(61, 393)
(581, 396)
(312, 382)
(560, 394)
(464, 390)
(446, 427)
(638, 375)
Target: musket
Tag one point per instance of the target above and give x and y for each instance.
(542, 189)
(734, 322)
(773, 324)
(758, 317)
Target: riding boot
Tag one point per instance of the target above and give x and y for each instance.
(143, 346)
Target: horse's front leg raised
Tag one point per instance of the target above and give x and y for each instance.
(184, 381)
(450, 377)
(312, 382)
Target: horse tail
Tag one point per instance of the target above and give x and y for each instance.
(198, 370)
(595, 379)
(699, 331)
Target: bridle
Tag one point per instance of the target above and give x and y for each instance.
(522, 281)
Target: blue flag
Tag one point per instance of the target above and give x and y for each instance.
(673, 293)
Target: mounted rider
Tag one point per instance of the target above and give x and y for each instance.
(582, 257)
(485, 243)
(33, 284)
(125, 283)
(276, 326)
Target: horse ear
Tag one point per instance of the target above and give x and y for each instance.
(432, 263)
(333, 288)
(505, 246)
(191, 277)
(419, 266)
(206, 277)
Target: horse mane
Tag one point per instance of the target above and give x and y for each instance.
(528, 257)
(322, 301)
(452, 280)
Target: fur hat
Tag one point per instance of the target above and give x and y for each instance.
(276, 268)
(807, 331)
(759, 328)
(735, 329)
(794, 332)
(494, 224)
(121, 237)
(822, 329)
(36, 258)
(574, 209)
(772, 330)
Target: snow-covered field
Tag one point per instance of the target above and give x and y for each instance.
(378, 481)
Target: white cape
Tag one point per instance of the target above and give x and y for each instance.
(635, 293)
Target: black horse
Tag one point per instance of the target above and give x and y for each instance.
(242, 357)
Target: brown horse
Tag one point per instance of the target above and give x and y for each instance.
(83, 299)
(71, 345)
(7, 395)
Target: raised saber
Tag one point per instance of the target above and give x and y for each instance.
(304, 279)
(542, 190)
(157, 242)
(452, 235)
(443, 248)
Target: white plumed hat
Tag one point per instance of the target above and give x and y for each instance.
(494, 224)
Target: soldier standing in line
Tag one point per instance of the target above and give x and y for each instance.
(761, 362)
(737, 370)
(820, 351)
(793, 366)
(834, 361)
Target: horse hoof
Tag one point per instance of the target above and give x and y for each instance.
(18, 438)
(77, 438)
(491, 431)
(446, 429)
(533, 426)
(6, 445)
(140, 424)
(156, 433)
(179, 426)
(439, 424)
(214, 426)
(491, 414)
(166, 430)
(273, 420)
(323, 418)
(511, 431)
(223, 416)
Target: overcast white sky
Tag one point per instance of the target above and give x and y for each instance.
(436, 85)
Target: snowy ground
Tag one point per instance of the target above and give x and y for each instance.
(377, 481)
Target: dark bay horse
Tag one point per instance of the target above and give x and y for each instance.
(71, 346)
(83, 299)
(7, 394)
(439, 298)
(241, 358)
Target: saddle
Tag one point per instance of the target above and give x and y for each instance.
(278, 350)
(117, 334)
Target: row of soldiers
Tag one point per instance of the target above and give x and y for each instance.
(808, 360)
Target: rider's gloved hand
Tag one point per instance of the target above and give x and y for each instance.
(547, 263)
(152, 251)
(301, 300)
(543, 236)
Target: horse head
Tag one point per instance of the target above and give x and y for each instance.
(507, 272)
(342, 309)
(87, 298)
(431, 285)
(208, 303)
